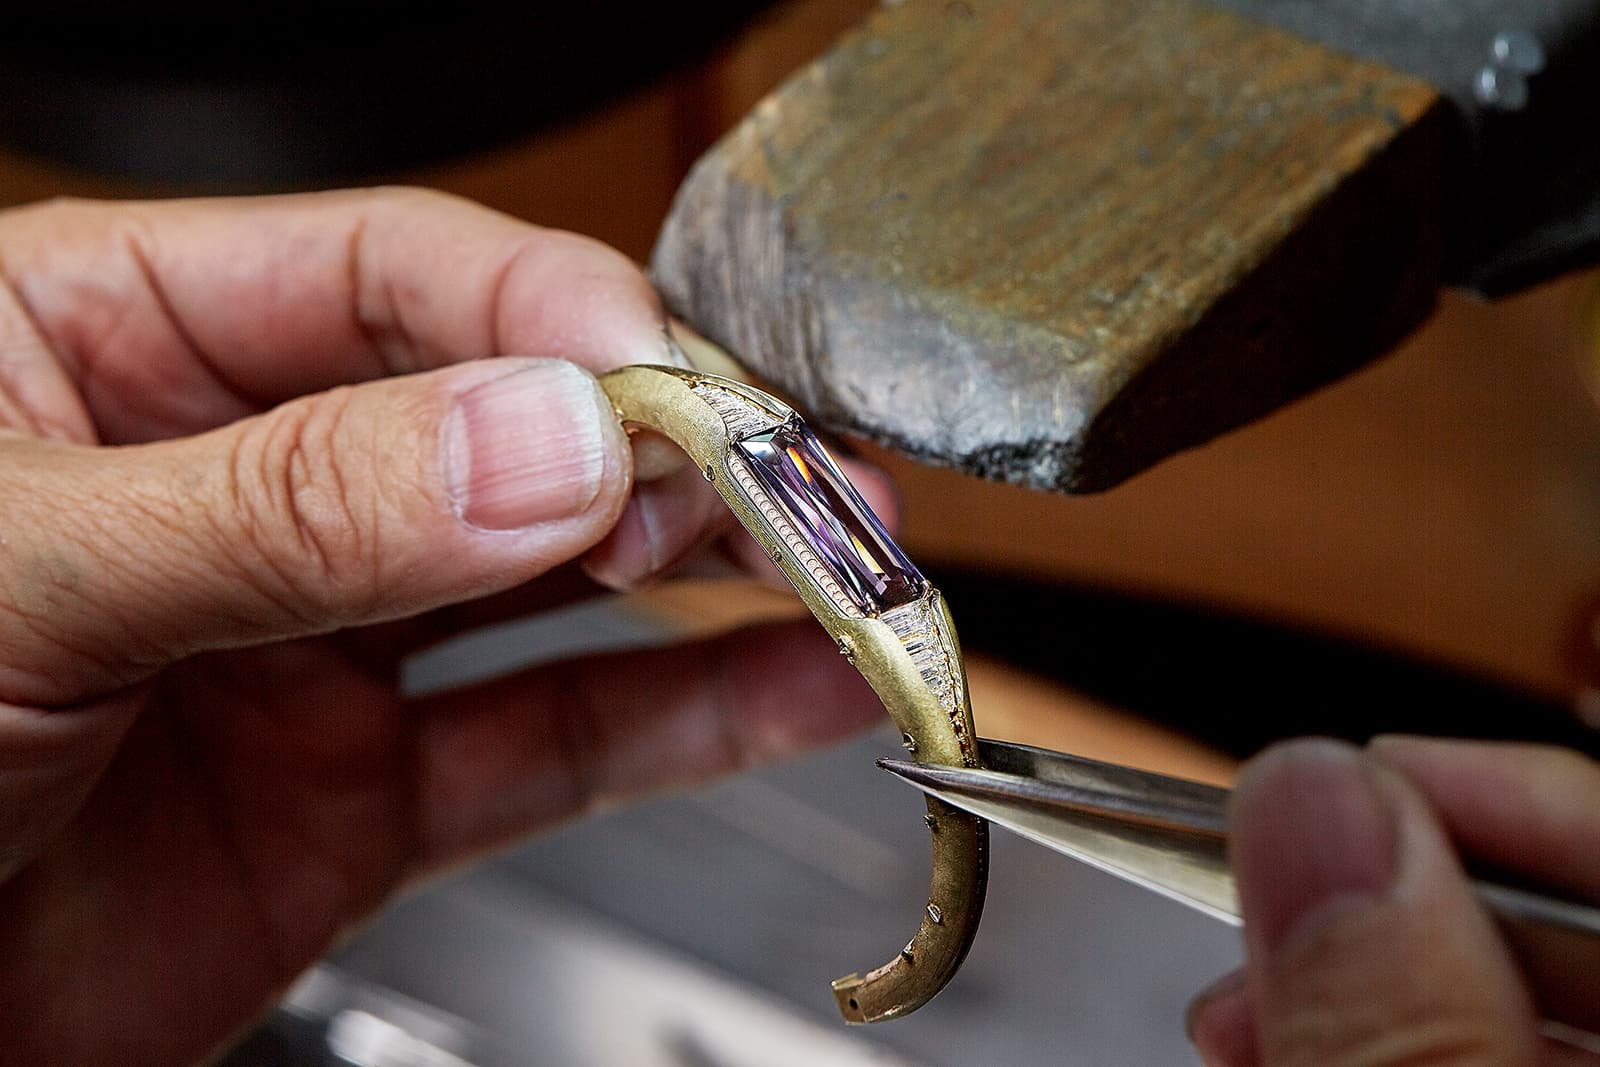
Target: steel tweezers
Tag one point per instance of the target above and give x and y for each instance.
(1170, 835)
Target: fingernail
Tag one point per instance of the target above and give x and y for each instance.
(527, 447)
(1312, 835)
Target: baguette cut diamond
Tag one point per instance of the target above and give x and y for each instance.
(838, 526)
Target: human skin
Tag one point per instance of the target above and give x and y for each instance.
(239, 482)
(1364, 944)
(252, 454)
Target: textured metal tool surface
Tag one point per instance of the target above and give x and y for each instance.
(1052, 243)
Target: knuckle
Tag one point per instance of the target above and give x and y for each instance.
(300, 510)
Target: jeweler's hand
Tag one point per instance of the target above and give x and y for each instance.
(1364, 942)
(215, 548)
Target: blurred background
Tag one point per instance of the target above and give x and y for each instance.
(1414, 548)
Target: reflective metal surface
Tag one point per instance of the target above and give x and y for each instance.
(824, 539)
(1170, 835)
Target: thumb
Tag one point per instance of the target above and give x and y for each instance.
(363, 504)
(1364, 943)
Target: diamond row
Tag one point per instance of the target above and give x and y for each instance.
(796, 544)
(922, 633)
(739, 415)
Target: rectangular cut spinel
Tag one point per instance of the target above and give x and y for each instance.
(838, 526)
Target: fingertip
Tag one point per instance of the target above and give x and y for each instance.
(662, 523)
(1221, 1024)
(567, 295)
(1311, 833)
(625, 560)
(1471, 757)
(1514, 806)
(1354, 908)
(655, 456)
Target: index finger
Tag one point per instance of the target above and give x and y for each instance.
(1531, 810)
(173, 317)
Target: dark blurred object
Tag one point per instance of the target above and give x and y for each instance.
(1236, 681)
(282, 1040)
(246, 98)
(1521, 74)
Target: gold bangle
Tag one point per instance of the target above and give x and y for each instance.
(886, 618)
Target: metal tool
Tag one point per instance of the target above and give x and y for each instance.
(1170, 835)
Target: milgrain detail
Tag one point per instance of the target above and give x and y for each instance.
(743, 417)
(740, 415)
(919, 625)
(784, 530)
(922, 632)
(710, 417)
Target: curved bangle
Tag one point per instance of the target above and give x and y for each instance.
(887, 619)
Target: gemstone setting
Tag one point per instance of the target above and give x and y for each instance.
(849, 541)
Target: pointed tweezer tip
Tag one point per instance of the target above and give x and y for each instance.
(921, 774)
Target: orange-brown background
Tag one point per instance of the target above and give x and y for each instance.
(1446, 500)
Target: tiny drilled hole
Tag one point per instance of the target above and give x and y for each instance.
(853, 1005)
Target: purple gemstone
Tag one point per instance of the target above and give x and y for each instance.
(826, 510)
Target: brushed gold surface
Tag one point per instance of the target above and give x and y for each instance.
(663, 399)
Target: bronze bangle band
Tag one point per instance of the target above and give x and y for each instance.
(886, 618)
